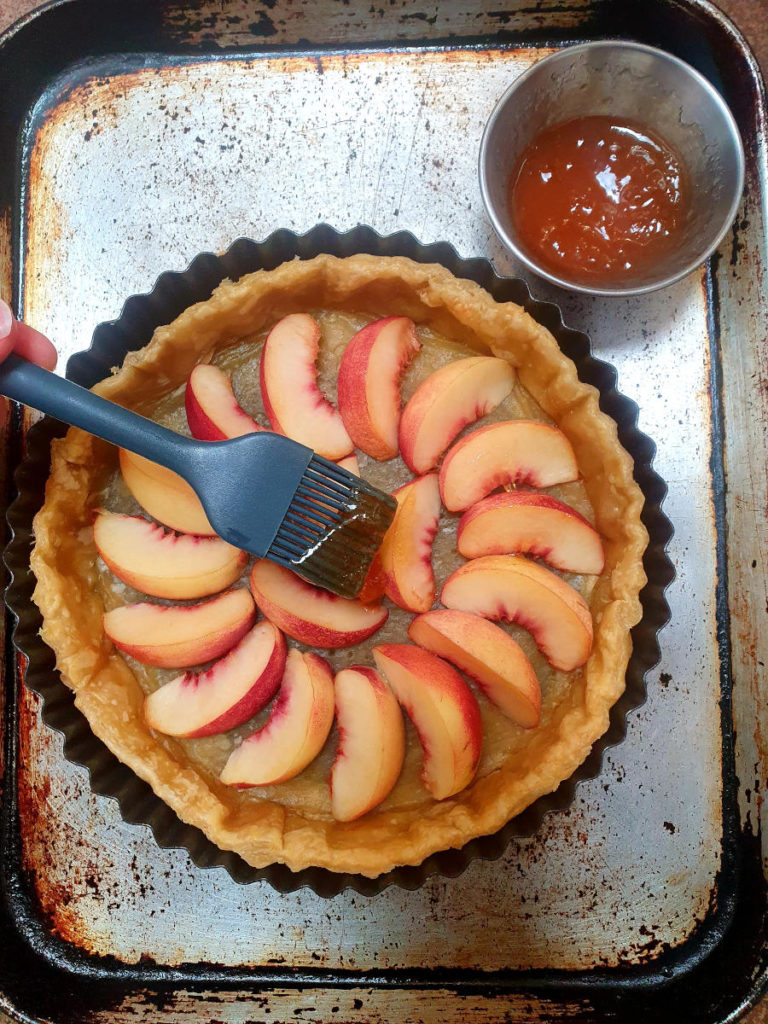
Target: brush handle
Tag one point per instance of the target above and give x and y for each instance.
(246, 484)
(61, 398)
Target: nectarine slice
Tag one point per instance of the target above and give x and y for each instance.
(213, 412)
(164, 564)
(350, 463)
(369, 383)
(375, 582)
(371, 749)
(488, 655)
(309, 614)
(453, 396)
(181, 635)
(514, 452)
(528, 523)
(296, 729)
(406, 554)
(164, 495)
(293, 402)
(232, 690)
(444, 711)
(512, 589)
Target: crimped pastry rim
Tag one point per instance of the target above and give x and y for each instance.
(100, 677)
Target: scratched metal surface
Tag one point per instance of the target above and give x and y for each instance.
(133, 170)
(743, 294)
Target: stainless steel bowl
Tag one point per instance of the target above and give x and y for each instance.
(636, 83)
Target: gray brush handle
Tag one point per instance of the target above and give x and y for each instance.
(55, 396)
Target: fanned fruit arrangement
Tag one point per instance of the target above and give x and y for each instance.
(412, 719)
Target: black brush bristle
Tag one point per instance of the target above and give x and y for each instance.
(333, 528)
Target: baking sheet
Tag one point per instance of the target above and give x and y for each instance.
(185, 158)
(134, 164)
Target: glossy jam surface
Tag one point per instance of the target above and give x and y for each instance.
(597, 199)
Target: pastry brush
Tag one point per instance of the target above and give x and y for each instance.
(261, 492)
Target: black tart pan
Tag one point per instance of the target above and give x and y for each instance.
(141, 314)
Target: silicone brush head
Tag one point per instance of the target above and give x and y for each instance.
(333, 528)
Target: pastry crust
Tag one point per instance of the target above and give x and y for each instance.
(107, 691)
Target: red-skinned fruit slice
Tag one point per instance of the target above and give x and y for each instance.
(213, 412)
(230, 692)
(406, 554)
(296, 729)
(176, 636)
(374, 584)
(371, 748)
(311, 615)
(513, 452)
(164, 495)
(453, 396)
(164, 564)
(293, 402)
(369, 383)
(528, 523)
(350, 463)
(444, 711)
(488, 655)
(512, 589)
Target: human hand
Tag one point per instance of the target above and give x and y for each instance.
(24, 340)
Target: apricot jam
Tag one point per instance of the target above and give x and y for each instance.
(597, 198)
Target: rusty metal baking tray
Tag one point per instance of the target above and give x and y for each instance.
(145, 133)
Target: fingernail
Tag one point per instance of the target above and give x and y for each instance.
(6, 319)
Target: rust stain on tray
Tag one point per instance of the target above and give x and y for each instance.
(95, 102)
(6, 264)
(241, 23)
(324, 1003)
(39, 823)
(745, 398)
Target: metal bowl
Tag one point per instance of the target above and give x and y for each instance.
(636, 83)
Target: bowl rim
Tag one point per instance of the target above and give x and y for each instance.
(587, 289)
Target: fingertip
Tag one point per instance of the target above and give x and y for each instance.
(6, 319)
(34, 346)
(48, 357)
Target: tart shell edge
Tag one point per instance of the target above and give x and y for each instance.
(108, 694)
